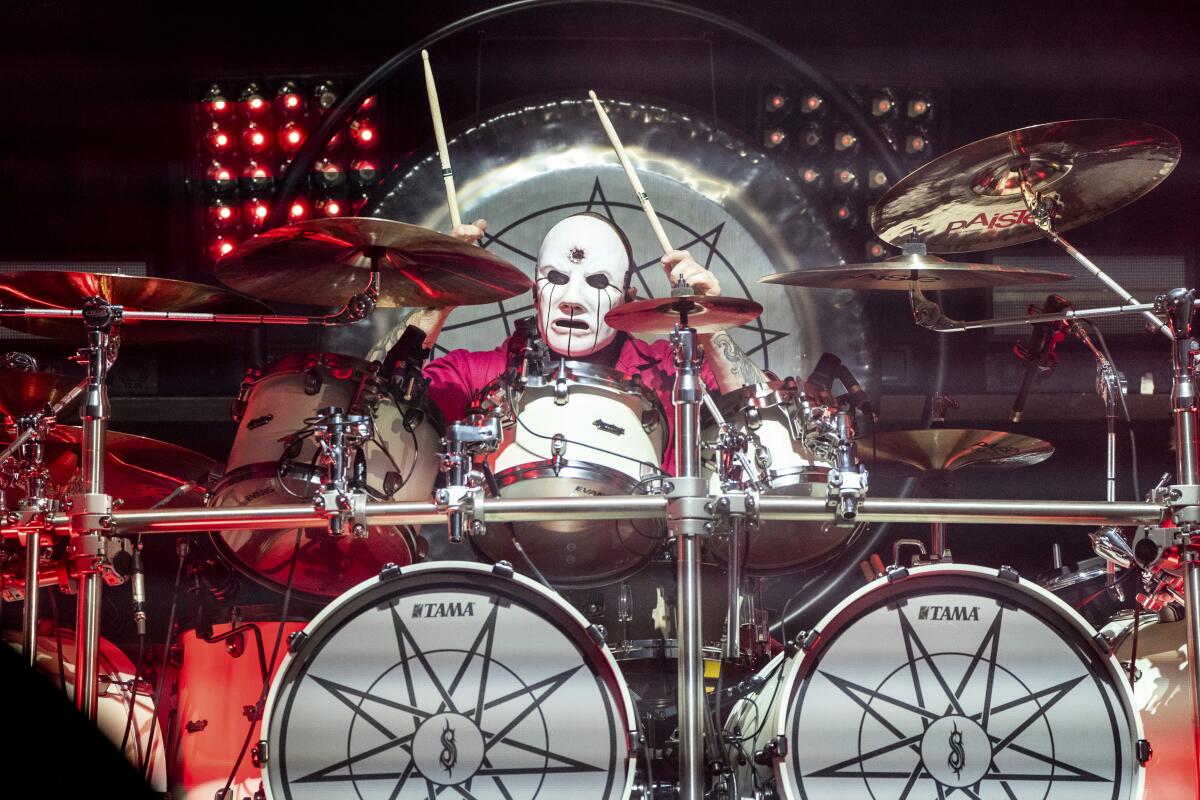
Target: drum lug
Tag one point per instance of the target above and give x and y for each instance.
(1007, 573)
(503, 569)
(807, 639)
(596, 634)
(259, 753)
(775, 749)
(895, 574)
(389, 571)
(296, 641)
(1106, 642)
(1144, 751)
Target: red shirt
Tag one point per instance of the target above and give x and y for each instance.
(459, 378)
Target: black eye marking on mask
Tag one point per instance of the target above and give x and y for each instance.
(556, 277)
(598, 281)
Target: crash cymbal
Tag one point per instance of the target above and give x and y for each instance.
(948, 449)
(901, 273)
(659, 315)
(48, 289)
(23, 392)
(970, 199)
(325, 262)
(138, 470)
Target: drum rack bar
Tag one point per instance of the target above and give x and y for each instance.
(872, 509)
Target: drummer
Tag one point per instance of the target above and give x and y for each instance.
(584, 269)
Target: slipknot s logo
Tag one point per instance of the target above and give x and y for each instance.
(997, 221)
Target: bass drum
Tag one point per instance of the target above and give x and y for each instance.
(452, 678)
(264, 469)
(942, 681)
(1164, 698)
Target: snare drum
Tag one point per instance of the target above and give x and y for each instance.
(587, 431)
(401, 464)
(769, 415)
(449, 679)
(941, 681)
(1164, 697)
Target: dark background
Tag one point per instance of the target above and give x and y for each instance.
(95, 148)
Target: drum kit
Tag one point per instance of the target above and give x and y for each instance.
(599, 635)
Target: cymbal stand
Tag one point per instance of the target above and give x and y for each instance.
(340, 437)
(688, 522)
(477, 435)
(1184, 496)
(91, 508)
(1042, 211)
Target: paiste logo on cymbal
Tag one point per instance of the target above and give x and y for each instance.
(997, 221)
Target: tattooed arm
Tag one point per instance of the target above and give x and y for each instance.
(732, 368)
(429, 320)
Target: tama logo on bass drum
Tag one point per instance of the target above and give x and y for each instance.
(442, 610)
(949, 613)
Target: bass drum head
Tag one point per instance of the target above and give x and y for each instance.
(449, 676)
(957, 681)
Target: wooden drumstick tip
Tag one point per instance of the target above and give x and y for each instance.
(425, 56)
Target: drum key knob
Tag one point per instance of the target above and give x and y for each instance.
(775, 749)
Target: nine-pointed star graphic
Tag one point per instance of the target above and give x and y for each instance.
(467, 722)
(957, 749)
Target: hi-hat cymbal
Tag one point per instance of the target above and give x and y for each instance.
(48, 289)
(23, 392)
(948, 449)
(325, 262)
(137, 470)
(970, 198)
(659, 315)
(904, 272)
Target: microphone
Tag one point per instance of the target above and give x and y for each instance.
(1038, 354)
(402, 365)
(138, 585)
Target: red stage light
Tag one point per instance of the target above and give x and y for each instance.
(774, 137)
(918, 106)
(845, 178)
(877, 179)
(883, 104)
(291, 137)
(844, 213)
(256, 178)
(334, 142)
(369, 103)
(357, 201)
(328, 174)
(875, 251)
(330, 207)
(222, 215)
(811, 176)
(288, 99)
(298, 211)
(363, 172)
(220, 245)
(218, 139)
(255, 138)
(811, 103)
(218, 177)
(256, 212)
(252, 100)
(362, 133)
(845, 141)
(915, 143)
(214, 102)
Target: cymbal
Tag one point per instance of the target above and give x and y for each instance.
(49, 289)
(138, 470)
(949, 449)
(970, 198)
(23, 392)
(904, 272)
(659, 315)
(325, 262)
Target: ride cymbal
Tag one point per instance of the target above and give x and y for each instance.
(970, 198)
(23, 392)
(325, 262)
(904, 272)
(948, 449)
(50, 289)
(659, 315)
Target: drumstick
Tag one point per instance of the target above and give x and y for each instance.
(629, 173)
(439, 134)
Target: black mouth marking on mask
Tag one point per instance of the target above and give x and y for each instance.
(576, 324)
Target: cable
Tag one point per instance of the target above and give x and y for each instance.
(137, 674)
(266, 687)
(162, 674)
(1137, 490)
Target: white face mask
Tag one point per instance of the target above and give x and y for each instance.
(580, 275)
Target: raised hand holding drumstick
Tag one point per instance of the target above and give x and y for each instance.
(731, 367)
